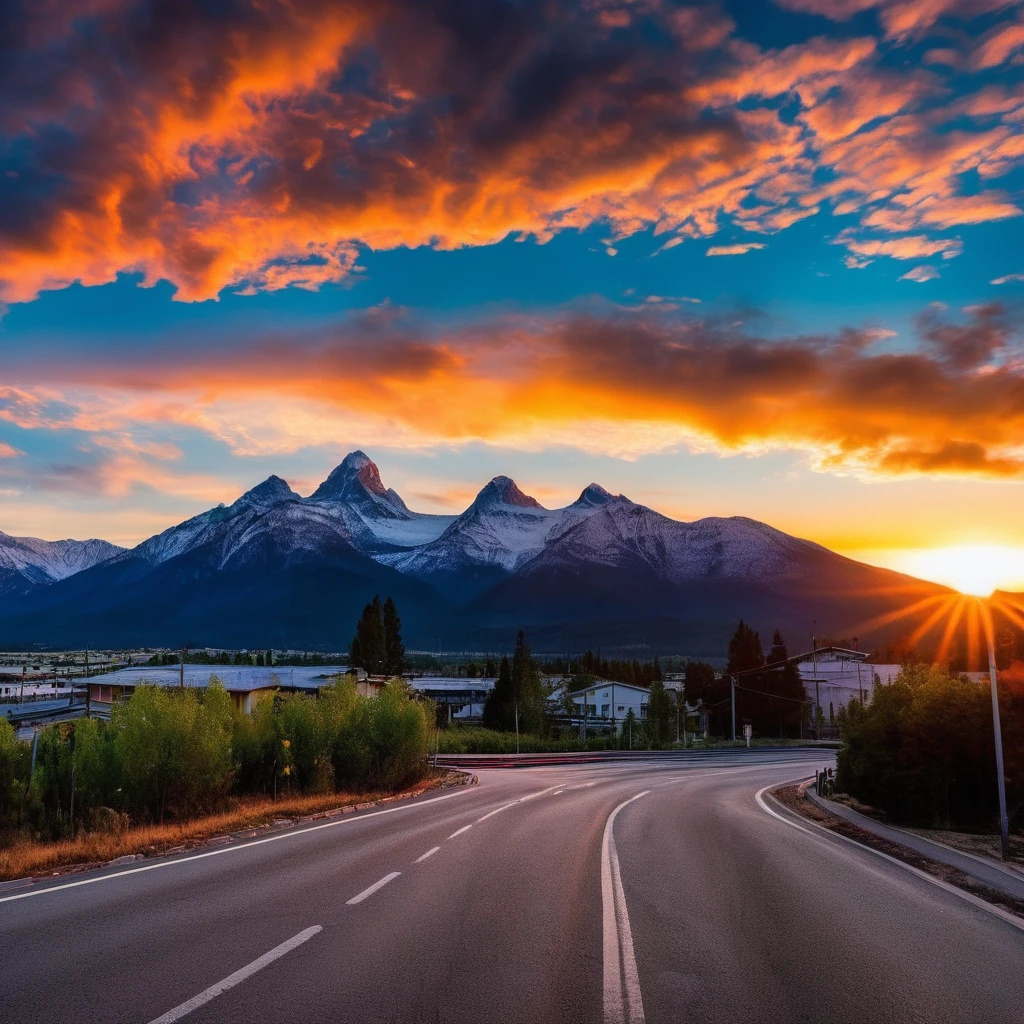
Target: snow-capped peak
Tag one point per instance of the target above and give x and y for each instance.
(595, 495)
(502, 490)
(272, 491)
(26, 561)
(356, 478)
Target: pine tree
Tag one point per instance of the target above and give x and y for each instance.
(745, 652)
(528, 688)
(394, 649)
(367, 648)
(499, 706)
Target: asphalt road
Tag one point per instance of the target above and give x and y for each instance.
(515, 900)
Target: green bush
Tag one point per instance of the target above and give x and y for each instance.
(14, 766)
(462, 739)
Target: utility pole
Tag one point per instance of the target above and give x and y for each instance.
(516, 705)
(732, 684)
(1004, 824)
(181, 678)
(24, 669)
(817, 694)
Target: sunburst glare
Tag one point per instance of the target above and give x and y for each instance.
(976, 569)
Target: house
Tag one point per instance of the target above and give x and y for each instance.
(607, 703)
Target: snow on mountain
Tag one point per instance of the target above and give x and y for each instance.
(27, 562)
(386, 522)
(351, 507)
(714, 548)
(500, 531)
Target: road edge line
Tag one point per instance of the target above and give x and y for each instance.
(228, 849)
(619, 960)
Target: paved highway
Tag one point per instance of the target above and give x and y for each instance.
(657, 890)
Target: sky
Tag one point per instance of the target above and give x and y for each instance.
(756, 259)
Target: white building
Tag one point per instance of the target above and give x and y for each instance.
(834, 676)
(607, 703)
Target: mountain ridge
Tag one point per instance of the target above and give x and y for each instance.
(603, 569)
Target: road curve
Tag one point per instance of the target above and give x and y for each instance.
(653, 890)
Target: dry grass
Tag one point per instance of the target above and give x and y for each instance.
(32, 858)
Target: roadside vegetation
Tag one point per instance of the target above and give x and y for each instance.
(174, 756)
(922, 752)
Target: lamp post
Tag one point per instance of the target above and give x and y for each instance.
(1004, 823)
(732, 684)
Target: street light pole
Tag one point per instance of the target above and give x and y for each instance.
(732, 685)
(1004, 823)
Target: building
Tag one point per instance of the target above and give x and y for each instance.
(835, 676)
(607, 703)
(461, 697)
(245, 683)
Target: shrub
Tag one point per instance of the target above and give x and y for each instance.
(923, 750)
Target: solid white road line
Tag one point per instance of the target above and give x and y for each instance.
(623, 1003)
(233, 979)
(230, 849)
(990, 908)
(557, 791)
(759, 797)
(727, 771)
(372, 889)
(465, 828)
(429, 853)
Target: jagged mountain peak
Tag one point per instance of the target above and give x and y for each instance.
(595, 495)
(502, 490)
(356, 476)
(269, 492)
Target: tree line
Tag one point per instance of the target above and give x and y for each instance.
(770, 694)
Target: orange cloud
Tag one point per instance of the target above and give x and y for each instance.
(266, 147)
(620, 382)
(901, 18)
(734, 250)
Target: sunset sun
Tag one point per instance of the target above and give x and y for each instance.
(974, 569)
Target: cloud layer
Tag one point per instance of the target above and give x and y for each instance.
(255, 146)
(621, 381)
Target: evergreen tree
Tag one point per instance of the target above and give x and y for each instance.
(779, 707)
(745, 652)
(367, 648)
(394, 649)
(528, 688)
(499, 706)
(659, 715)
(778, 653)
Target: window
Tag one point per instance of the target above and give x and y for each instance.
(604, 710)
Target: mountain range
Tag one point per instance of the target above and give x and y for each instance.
(277, 569)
